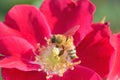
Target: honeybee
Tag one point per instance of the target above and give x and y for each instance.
(65, 42)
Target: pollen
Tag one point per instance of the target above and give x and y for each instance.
(57, 56)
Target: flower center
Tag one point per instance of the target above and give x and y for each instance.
(57, 56)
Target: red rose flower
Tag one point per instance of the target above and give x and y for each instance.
(38, 44)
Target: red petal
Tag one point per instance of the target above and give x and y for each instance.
(14, 46)
(95, 50)
(30, 22)
(17, 62)
(14, 74)
(6, 31)
(17, 53)
(65, 14)
(79, 73)
(115, 71)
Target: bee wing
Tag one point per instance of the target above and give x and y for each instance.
(72, 31)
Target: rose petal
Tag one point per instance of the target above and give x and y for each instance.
(79, 73)
(95, 50)
(6, 31)
(14, 74)
(16, 62)
(16, 53)
(115, 70)
(14, 46)
(65, 14)
(30, 22)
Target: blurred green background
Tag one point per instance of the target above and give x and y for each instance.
(109, 8)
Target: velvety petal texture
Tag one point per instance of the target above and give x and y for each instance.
(82, 74)
(6, 31)
(30, 22)
(65, 14)
(13, 46)
(15, 74)
(15, 52)
(95, 50)
(115, 70)
(79, 73)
